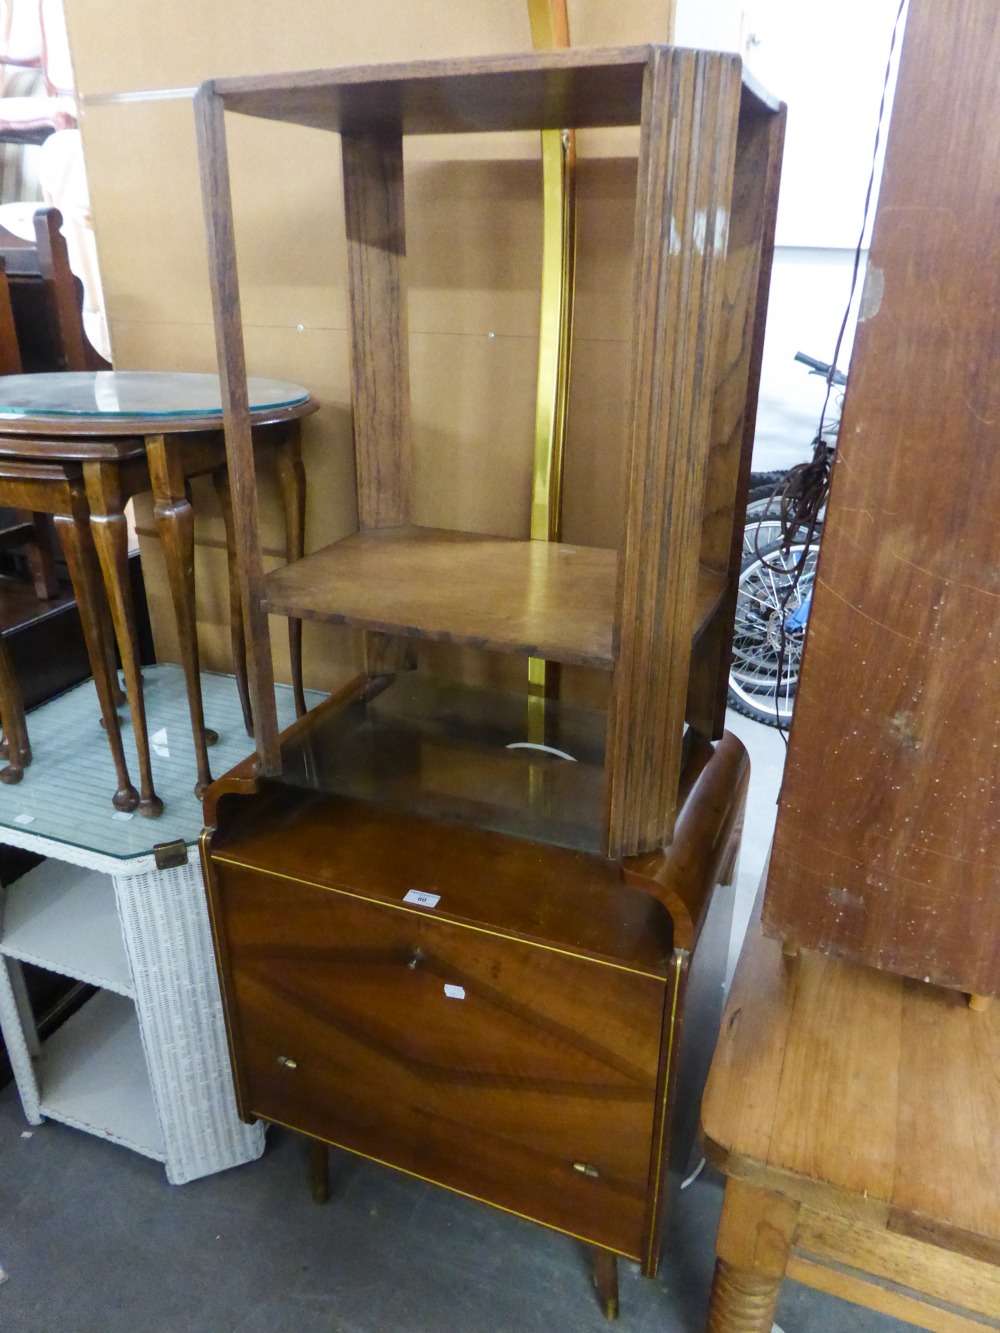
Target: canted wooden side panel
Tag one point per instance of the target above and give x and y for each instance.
(519, 1075)
(747, 282)
(887, 844)
(380, 380)
(686, 158)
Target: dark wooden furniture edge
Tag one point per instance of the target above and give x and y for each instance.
(245, 779)
(238, 93)
(668, 873)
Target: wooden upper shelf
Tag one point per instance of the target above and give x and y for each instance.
(566, 89)
(533, 598)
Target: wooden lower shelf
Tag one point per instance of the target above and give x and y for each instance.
(92, 1075)
(536, 599)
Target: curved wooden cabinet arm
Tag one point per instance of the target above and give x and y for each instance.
(706, 838)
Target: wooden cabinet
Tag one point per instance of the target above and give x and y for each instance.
(463, 931)
(652, 617)
(508, 1019)
(502, 1068)
(888, 833)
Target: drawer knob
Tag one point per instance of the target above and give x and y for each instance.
(415, 959)
(585, 1169)
(288, 1064)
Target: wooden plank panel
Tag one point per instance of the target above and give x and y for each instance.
(949, 1094)
(947, 1276)
(793, 1090)
(526, 597)
(738, 1108)
(531, 598)
(887, 846)
(886, 1299)
(380, 378)
(531, 91)
(685, 177)
(835, 1111)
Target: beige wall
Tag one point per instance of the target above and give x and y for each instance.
(473, 247)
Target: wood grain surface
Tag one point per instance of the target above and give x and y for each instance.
(380, 379)
(505, 1085)
(686, 164)
(565, 89)
(536, 598)
(887, 846)
(860, 1094)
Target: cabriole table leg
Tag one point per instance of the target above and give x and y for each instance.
(174, 519)
(81, 561)
(110, 533)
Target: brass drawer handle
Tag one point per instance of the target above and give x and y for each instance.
(288, 1064)
(585, 1169)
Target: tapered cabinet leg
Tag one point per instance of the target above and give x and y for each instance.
(606, 1281)
(110, 534)
(81, 561)
(174, 519)
(755, 1236)
(319, 1170)
(292, 478)
(237, 632)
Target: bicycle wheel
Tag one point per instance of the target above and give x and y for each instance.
(767, 652)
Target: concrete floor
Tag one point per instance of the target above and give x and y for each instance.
(93, 1239)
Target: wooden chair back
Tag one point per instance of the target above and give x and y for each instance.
(46, 300)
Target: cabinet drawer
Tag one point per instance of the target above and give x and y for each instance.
(508, 1071)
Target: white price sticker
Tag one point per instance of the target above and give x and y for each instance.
(454, 992)
(422, 899)
(122, 815)
(24, 819)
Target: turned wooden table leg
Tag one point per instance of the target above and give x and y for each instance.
(16, 730)
(755, 1235)
(237, 632)
(81, 561)
(319, 1170)
(110, 533)
(292, 479)
(174, 520)
(606, 1280)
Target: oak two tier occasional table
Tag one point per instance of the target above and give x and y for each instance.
(136, 431)
(855, 1116)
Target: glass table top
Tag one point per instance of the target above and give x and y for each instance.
(133, 393)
